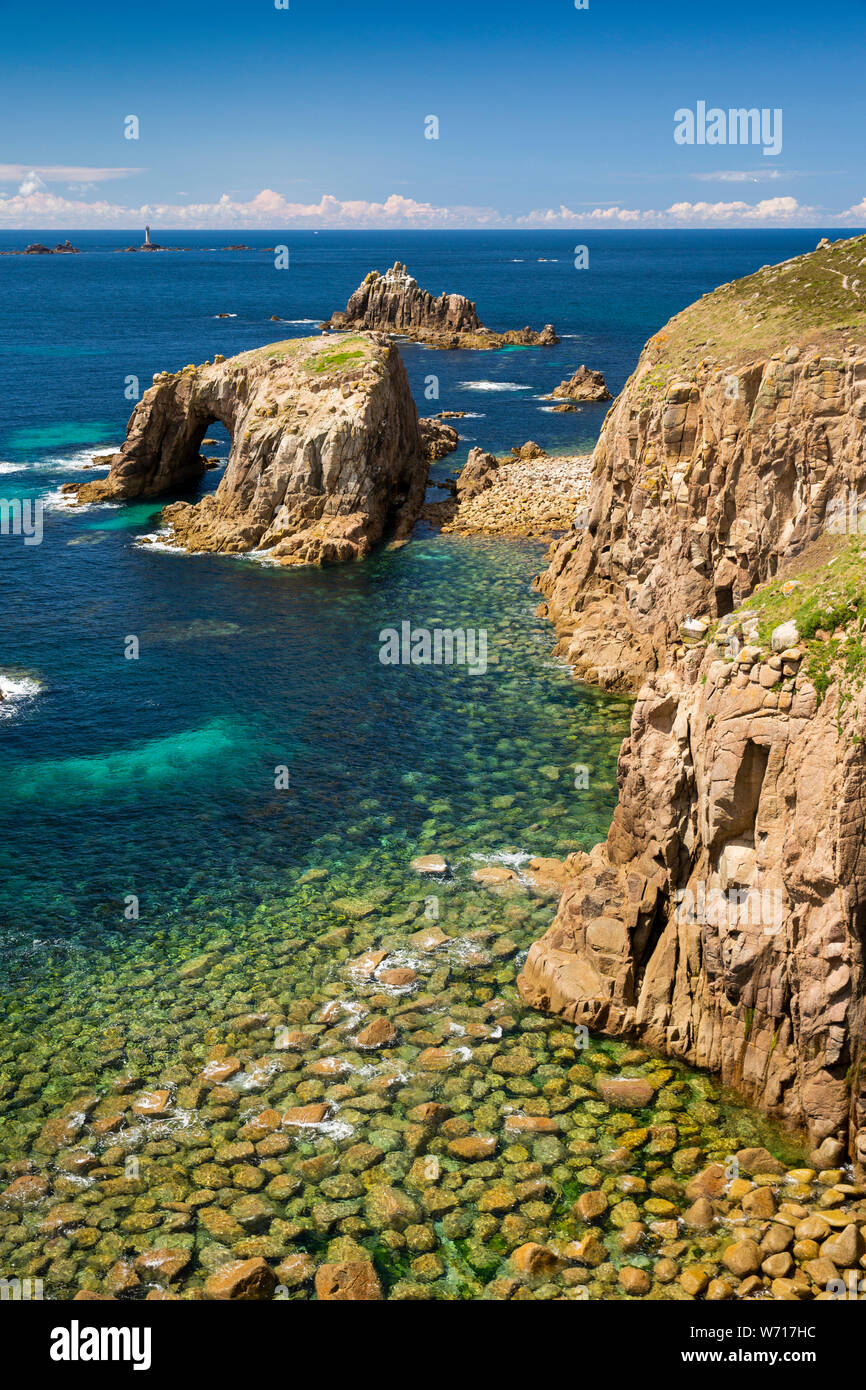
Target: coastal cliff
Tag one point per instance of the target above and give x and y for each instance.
(741, 426)
(326, 455)
(395, 303)
(721, 570)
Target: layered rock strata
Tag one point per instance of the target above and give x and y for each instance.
(395, 303)
(326, 456)
(723, 919)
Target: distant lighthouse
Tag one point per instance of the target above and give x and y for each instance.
(147, 244)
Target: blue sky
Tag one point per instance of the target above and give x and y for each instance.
(315, 115)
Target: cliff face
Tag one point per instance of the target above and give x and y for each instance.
(741, 426)
(326, 454)
(723, 919)
(395, 303)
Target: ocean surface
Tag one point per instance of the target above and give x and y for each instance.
(255, 780)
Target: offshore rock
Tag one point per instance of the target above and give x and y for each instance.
(585, 385)
(438, 439)
(395, 303)
(326, 455)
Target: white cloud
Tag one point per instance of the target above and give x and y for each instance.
(36, 206)
(741, 176)
(773, 210)
(31, 184)
(61, 173)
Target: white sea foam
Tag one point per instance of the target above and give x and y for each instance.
(55, 500)
(261, 557)
(513, 860)
(157, 540)
(78, 462)
(223, 316)
(299, 323)
(493, 386)
(16, 691)
(11, 468)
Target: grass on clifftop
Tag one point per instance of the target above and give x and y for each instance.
(349, 352)
(826, 598)
(316, 354)
(818, 298)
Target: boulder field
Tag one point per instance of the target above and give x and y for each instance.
(326, 457)
(722, 921)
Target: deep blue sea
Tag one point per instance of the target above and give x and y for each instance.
(139, 817)
(131, 776)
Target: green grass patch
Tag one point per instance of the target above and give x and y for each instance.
(806, 300)
(826, 595)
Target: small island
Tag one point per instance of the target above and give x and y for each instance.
(394, 303)
(585, 385)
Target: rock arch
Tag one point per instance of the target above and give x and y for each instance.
(326, 454)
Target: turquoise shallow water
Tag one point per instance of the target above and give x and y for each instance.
(142, 827)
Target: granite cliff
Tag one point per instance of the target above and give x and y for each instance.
(326, 455)
(740, 427)
(395, 303)
(720, 569)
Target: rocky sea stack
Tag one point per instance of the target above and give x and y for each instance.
(721, 569)
(326, 455)
(585, 385)
(395, 303)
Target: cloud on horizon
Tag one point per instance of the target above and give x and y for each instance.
(35, 206)
(62, 173)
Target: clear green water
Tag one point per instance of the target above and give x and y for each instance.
(154, 780)
(281, 891)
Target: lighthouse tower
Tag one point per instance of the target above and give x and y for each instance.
(147, 240)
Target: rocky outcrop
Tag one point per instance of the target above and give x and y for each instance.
(395, 303)
(63, 248)
(585, 385)
(528, 494)
(723, 919)
(477, 473)
(438, 439)
(326, 455)
(713, 466)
